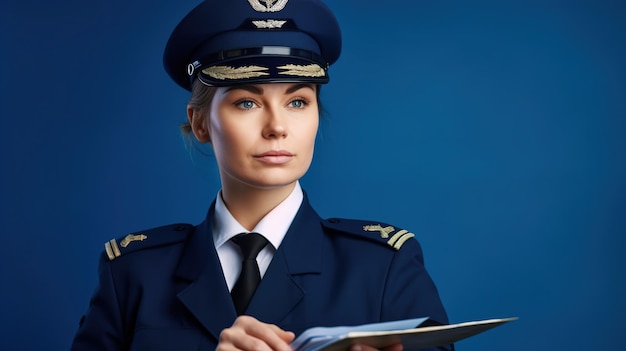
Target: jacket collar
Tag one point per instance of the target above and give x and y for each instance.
(207, 296)
(299, 253)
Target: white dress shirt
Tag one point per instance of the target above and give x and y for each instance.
(273, 227)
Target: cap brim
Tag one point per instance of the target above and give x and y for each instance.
(263, 69)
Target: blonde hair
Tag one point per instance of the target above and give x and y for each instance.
(201, 97)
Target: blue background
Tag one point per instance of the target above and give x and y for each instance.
(495, 130)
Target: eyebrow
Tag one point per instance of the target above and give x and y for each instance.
(300, 86)
(251, 88)
(259, 91)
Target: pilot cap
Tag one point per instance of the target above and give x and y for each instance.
(233, 42)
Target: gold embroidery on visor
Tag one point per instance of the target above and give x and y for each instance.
(227, 72)
(312, 70)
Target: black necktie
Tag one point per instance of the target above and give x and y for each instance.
(250, 244)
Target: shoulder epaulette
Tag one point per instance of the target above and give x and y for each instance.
(379, 232)
(154, 237)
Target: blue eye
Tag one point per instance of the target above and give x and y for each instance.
(298, 103)
(246, 104)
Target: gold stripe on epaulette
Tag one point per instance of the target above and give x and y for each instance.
(116, 249)
(396, 236)
(399, 239)
(113, 251)
(109, 251)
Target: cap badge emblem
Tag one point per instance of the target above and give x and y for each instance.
(268, 24)
(268, 5)
(226, 72)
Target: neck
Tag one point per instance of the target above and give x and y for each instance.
(249, 205)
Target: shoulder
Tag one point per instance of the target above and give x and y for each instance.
(385, 234)
(147, 239)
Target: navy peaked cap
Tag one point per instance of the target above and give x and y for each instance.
(230, 42)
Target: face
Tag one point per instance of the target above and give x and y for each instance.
(263, 135)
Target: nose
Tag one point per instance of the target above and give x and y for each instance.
(275, 124)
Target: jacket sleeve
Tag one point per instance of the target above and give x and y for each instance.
(101, 328)
(409, 285)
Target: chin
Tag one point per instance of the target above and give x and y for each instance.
(274, 181)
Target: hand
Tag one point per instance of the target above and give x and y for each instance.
(250, 334)
(363, 347)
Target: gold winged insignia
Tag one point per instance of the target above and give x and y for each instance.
(396, 241)
(384, 232)
(130, 238)
(227, 72)
(312, 70)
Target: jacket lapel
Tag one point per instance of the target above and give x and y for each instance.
(299, 253)
(206, 296)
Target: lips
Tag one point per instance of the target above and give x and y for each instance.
(275, 157)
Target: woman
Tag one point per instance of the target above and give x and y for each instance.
(254, 69)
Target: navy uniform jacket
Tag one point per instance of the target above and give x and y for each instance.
(163, 289)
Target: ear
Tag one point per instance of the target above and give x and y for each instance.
(198, 123)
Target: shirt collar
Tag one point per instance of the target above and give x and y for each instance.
(273, 226)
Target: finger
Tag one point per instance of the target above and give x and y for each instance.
(248, 333)
(396, 347)
(273, 336)
(364, 347)
(236, 338)
(286, 336)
